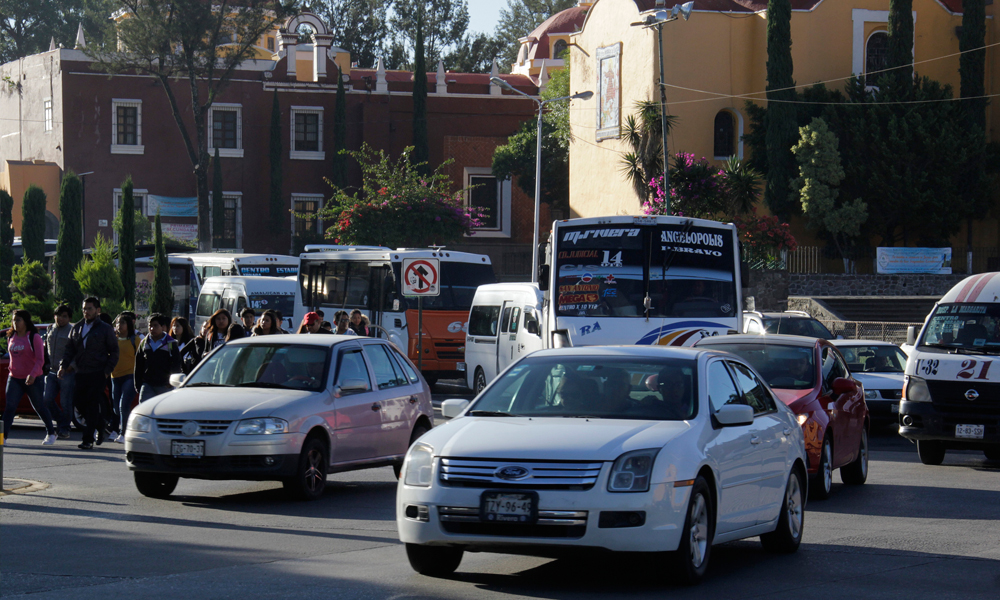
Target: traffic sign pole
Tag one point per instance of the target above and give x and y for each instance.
(420, 333)
(421, 277)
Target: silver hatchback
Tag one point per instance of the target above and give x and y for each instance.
(289, 408)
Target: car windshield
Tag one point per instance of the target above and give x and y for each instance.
(972, 326)
(797, 326)
(783, 367)
(874, 359)
(594, 387)
(290, 366)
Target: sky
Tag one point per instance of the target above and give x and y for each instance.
(484, 14)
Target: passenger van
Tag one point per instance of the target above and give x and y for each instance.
(498, 335)
(259, 293)
(951, 392)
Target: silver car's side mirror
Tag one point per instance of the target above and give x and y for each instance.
(453, 407)
(176, 379)
(732, 415)
(350, 386)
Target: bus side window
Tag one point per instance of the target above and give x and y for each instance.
(207, 304)
(530, 317)
(357, 285)
(483, 320)
(505, 321)
(241, 303)
(515, 317)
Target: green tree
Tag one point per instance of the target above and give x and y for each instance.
(820, 174)
(277, 180)
(518, 19)
(97, 274)
(179, 42)
(141, 226)
(30, 280)
(339, 172)
(161, 298)
(781, 118)
(6, 243)
(972, 69)
(218, 205)
(358, 26)
(475, 53)
(33, 224)
(421, 146)
(28, 26)
(126, 242)
(69, 248)
(644, 134)
(899, 58)
(443, 24)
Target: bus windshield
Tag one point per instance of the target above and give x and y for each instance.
(608, 270)
(459, 281)
(964, 325)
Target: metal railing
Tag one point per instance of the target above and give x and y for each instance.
(870, 330)
(817, 259)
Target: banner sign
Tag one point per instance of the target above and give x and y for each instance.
(169, 206)
(187, 232)
(914, 260)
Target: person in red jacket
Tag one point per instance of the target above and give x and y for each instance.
(27, 355)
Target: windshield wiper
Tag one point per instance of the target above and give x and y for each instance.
(207, 384)
(490, 413)
(582, 417)
(944, 346)
(967, 350)
(263, 384)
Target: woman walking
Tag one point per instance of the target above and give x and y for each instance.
(181, 330)
(268, 324)
(27, 356)
(122, 378)
(214, 335)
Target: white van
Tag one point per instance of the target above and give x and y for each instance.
(503, 327)
(259, 293)
(951, 394)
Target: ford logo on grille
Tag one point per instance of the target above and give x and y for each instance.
(190, 428)
(972, 395)
(511, 473)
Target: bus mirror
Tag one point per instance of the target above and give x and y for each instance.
(531, 327)
(560, 339)
(745, 273)
(911, 335)
(543, 277)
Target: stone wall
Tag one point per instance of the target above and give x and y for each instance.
(800, 284)
(766, 291)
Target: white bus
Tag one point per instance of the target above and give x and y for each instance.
(370, 280)
(216, 264)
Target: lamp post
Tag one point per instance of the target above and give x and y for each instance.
(538, 160)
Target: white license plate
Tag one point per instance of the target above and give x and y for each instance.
(970, 431)
(187, 449)
(507, 508)
(895, 408)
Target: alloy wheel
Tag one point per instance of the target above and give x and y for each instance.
(699, 530)
(793, 504)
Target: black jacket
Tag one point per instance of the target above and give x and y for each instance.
(196, 350)
(99, 355)
(154, 367)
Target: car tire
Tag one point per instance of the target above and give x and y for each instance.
(78, 421)
(787, 536)
(480, 381)
(310, 474)
(434, 561)
(856, 473)
(418, 431)
(822, 482)
(692, 555)
(155, 485)
(931, 452)
(992, 453)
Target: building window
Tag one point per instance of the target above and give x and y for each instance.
(490, 196)
(558, 48)
(270, 44)
(876, 52)
(225, 122)
(304, 205)
(138, 201)
(307, 133)
(725, 134)
(231, 235)
(47, 106)
(126, 127)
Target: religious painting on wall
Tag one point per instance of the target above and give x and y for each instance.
(609, 62)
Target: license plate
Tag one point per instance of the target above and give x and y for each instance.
(187, 449)
(970, 431)
(509, 507)
(895, 408)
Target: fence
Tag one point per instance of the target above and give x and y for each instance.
(818, 259)
(870, 330)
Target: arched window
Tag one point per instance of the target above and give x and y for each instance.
(559, 47)
(876, 51)
(725, 134)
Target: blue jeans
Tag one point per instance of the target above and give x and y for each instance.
(122, 396)
(64, 388)
(16, 389)
(151, 391)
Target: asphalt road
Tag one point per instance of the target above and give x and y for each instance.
(912, 532)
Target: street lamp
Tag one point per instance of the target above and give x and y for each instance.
(538, 160)
(657, 20)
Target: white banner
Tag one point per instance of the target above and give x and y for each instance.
(914, 260)
(187, 232)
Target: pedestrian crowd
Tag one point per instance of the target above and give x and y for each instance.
(94, 370)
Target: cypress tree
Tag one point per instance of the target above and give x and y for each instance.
(277, 205)
(421, 149)
(782, 129)
(972, 63)
(126, 242)
(161, 298)
(69, 249)
(33, 224)
(339, 176)
(899, 58)
(218, 206)
(6, 243)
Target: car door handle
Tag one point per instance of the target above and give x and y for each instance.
(413, 399)
(755, 440)
(375, 407)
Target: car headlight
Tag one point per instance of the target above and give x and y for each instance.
(139, 423)
(418, 465)
(916, 389)
(261, 426)
(871, 394)
(802, 418)
(631, 472)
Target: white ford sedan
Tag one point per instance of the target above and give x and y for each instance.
(289, 408)
(638, 448)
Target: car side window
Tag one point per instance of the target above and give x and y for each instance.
(833, 367)
(754, 390)
(721, 389)
(387, 373)
(352, 367)
(411, 373)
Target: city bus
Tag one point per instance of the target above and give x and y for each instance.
(369, 279)
(216, 264)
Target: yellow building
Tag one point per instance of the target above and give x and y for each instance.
(716, 61)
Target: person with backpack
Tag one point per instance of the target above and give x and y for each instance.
(158, 357)
(26, 359)
(56, 338)
(122, 386)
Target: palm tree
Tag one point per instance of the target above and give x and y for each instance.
(643, 134)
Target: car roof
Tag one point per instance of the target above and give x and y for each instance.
(325, 340)
(862, 343)
(644, 351)
(785, 315)
(771, 338)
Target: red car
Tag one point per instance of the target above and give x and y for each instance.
(812, 378)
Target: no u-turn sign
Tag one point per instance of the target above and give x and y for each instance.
(421, 277)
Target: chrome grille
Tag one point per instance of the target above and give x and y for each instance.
(550, 524)
(893, 394)
(481, 473)
(461, 514)
(205, 428)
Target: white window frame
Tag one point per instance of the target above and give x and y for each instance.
(47, 114)
(306, 154)
(139, 198)
(504, 193)
(236, 152)
(238, 196)
(739, 132)
(117, 148)
(307, 198)
(860, 17)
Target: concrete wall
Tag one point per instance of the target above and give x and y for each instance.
(871, 285)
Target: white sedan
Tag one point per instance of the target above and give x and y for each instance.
(638, 448)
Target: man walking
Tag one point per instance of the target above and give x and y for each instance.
(56, 339)
(248, 315)
(159, 355)
(93, 348)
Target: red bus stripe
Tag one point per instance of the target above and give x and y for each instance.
(983, 281)
(967, 288)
